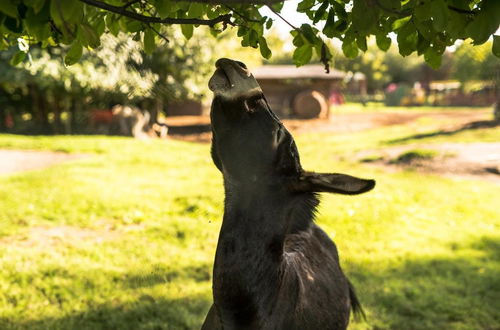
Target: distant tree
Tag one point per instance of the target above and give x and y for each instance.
(118, 71)
(426, 27)
(475, 63)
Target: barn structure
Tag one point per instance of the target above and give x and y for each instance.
(307, 91)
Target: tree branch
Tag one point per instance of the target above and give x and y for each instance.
(408, 12)
(226, 19)
(281, 17)
(248, 19)
(462, 11)
(130, 3)
(238, 2)
(391, 10)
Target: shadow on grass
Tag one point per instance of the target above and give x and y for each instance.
(469, 126)
(200, 273)
(145, 313)
(461, 292)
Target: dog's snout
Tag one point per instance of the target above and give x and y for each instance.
(227, 64)
(242, 65)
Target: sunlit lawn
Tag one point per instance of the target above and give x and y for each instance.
(125, 238)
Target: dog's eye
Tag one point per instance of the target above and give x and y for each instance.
(254, 102)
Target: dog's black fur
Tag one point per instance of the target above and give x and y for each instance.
(274, 268)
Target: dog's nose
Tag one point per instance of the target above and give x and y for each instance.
(226, 63)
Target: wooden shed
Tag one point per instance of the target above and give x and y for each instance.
(302, 92)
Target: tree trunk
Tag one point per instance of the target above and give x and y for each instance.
(3, 117)
(58, 127)
(72, 115)
(39, 110)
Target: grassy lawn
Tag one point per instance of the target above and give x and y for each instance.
(125, 238)
(351, 107)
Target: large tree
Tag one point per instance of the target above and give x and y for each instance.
(426, 27)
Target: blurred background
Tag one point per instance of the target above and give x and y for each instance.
(110, 206)
(43, 96)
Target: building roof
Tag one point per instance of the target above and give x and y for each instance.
(292, 72)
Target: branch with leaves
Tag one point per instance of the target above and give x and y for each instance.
(426, 27)
(122, 10)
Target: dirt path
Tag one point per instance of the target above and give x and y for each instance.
(476, 159)
(197, 129)
(12, 161)
(473, 160)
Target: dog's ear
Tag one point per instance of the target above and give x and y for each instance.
(332, 183)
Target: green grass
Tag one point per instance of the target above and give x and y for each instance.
(125, 238)
(380, 107)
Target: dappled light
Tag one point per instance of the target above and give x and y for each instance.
(114, 182)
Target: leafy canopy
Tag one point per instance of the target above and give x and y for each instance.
(426, 27)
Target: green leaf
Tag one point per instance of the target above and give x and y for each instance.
(439, 10)
(485, 23)
(196, 10)
(302, 55)
(364, 16)
(349, 49)
(164, 7)
(383, 42)
(422, 44)
(361, 42)
(187, 30)
(244, 41)
(269, 23)
(183, 6)
(242, 30)
(308, 33)
(37, 23)
(90, 36)
(423, 10)
(393, 5)
(253, 38)
(149, 41)
(277, 6)
(399, 23)
(40, 32)
(340, 26)
(339, 10)
(8, 8)
(212, 13)
(329, 29)
(74, 53)
(426, 29)
(264, 49)
(432, 58)
(37, 5)
(456, 25)
(67, 11)
(320, 12)
(298, 39)
(14, 25)
(98, 24)
(304, 5)
(17, 58)
(496, 46)
(131, 25)
(407, 39)
(112, 24)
